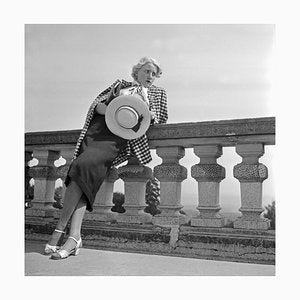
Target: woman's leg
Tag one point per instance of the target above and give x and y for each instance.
(72, 196)
(75, 226)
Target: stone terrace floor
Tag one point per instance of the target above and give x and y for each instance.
(92, 262)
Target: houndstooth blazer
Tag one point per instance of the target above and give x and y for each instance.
(138, 147)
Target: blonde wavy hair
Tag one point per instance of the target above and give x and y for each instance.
(143, 61)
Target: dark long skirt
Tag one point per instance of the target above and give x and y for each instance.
(98, 150)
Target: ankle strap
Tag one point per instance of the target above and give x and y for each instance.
(60, 231)
(70, 237)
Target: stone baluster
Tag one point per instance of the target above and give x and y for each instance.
(135, 177)
(67, 154)
(27, 177)
(170, 174)
(62, 171)
(251, 174)
(103, 201)
(45, 175)
(208, 175)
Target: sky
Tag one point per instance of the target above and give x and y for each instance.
(210, 72)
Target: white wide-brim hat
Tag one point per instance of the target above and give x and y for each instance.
(128, 116)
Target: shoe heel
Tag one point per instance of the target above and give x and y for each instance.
(50, 249)
(76, 252)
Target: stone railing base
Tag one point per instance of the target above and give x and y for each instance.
(169, 220)
(44, 211)
(105, 217)
(208, 222)
(259, 224)
(140, 218)
(225, 244)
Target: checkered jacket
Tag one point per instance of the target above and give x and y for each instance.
(138, 147)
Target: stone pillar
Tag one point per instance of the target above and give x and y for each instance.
(251, 174)
(62, 171)
(67, 154)
(209, 175)
(45, 175)
(135, 177)
(103, 201)
(170, 174)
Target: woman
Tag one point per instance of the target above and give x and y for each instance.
(98, 149)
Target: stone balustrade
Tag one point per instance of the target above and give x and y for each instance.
(248, 136)
(189, 236)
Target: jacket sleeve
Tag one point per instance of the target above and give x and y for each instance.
(162, 114)
(105, 95)
(113, 91)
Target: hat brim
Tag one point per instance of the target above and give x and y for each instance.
(138, 105)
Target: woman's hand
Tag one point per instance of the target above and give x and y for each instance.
(153, 118)
(152, 115)
(101, 108)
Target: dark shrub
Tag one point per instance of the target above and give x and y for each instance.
(152, 197)
(118, 201)
(270, 214)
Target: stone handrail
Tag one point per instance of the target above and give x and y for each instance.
(226, 132)
(248, 136)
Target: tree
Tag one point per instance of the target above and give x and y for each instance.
(270, 214)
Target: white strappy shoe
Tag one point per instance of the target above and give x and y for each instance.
(49, 249)
(61, 254)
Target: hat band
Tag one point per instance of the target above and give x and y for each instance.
(126, 117)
